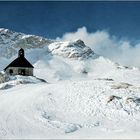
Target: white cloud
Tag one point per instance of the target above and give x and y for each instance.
(109, 46)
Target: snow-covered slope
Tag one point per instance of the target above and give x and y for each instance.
(85, 96)
(70, 109)
(11, 41)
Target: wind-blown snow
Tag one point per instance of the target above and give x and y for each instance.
(85, 96)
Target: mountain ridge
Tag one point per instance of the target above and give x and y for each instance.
(10, 41)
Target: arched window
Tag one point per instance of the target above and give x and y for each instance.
(11, 71)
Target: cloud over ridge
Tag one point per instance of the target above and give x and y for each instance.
(118, 50)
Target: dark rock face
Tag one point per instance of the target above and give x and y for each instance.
(80, 43)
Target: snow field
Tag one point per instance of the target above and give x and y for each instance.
(57, 110)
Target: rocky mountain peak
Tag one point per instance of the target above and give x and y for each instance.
(71, 49)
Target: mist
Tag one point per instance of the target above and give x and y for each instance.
(102, 43)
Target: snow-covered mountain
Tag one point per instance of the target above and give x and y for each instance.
(76, 49)
(85, 96)
(10, 40)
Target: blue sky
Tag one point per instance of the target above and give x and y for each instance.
(53, 19)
